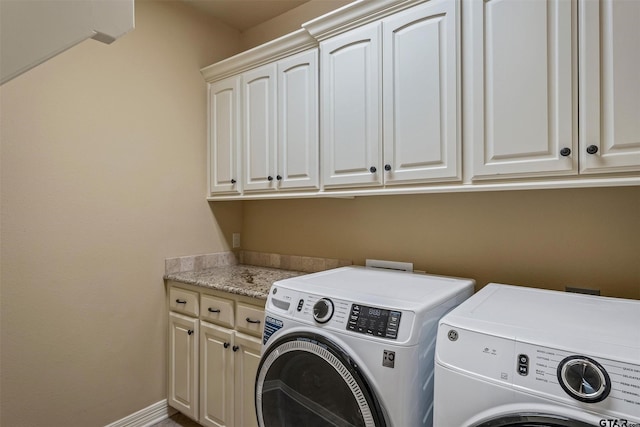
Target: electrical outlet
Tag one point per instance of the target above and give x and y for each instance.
(236, 240)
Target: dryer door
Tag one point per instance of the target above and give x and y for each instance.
(307, 380)
(531, 420)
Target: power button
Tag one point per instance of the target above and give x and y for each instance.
(523, 364)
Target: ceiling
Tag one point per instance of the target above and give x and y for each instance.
(244, 14)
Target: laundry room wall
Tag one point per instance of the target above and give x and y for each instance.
(103, 176)
(586, 238)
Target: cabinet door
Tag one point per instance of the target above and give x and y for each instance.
(350, 69)
(298, 121)
(247, 359)
(183, 368)
(609, 86)
(216, 375)
(421, 139)
(518, 65)
(259, 125)
(224, 136)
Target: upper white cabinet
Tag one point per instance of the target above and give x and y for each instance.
(519, 72)
(263, 119)
(224, 136)
(298, 137)
(421, 97)
(33, 31)
(551, 87)
(351, 99)
(609, 86)
(399, 74)
(259, 107)
(280, 119)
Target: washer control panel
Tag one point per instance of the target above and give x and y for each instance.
(341, 315)
(374, 321)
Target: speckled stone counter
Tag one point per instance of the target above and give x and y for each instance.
(247, 280)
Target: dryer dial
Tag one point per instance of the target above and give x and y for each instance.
(584, 379)
(323, 310)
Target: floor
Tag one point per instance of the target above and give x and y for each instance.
(177, 420)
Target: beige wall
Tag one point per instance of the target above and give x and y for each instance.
(103, 176)
(586, 238)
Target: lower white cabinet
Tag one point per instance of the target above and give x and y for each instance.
(216, 367)
(246, 357)
(228, 366)
(213, 357)
(183, 369)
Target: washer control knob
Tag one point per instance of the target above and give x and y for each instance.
(584, 379)
(323, 310)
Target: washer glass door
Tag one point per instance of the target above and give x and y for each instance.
(306, 380)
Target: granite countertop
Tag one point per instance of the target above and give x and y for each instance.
(247, 280)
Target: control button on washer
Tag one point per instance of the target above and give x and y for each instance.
(523, 364)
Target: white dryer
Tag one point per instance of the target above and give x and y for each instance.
(352, 346)
(514, 356)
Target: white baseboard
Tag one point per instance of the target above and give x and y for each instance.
(146, 417)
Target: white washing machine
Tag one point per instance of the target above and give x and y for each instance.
(352, 346)
(514, 356)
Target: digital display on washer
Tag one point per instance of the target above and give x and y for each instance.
(374, 321)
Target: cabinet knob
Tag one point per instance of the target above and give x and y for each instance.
(235, 348)
(592, 149)
(190, 331)
(214, 310)
(373, 169)
(233, 181)
(387, 167)
(278, 177)
(565, 152)
(250, 320)
(181, 301)
(270, 178)
(226, 345)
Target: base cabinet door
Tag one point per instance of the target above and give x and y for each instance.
(183, 364)
(214, 358)
(216, 373)
(519, 72)
(246, 358)
(609, 86)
